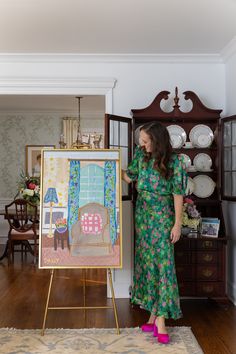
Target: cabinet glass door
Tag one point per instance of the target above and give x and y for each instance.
(118, 135)
(229, 158)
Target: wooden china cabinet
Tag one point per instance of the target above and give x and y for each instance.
(200, 260)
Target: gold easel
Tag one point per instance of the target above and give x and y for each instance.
(84, 301)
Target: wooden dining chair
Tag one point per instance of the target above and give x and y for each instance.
(22, 217)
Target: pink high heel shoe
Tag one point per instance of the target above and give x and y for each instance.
(147, 327)
(155, 330)
(163, 338)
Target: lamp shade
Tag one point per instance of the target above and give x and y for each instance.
(51, 196)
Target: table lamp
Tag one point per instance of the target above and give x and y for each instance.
(51, 197)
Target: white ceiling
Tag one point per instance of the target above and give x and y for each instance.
(116, 26)
(111, 27)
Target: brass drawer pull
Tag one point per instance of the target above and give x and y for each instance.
(207, 244)
(208, 288)
(207, 273)
(208, 257)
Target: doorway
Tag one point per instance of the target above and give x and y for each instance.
(37, 120)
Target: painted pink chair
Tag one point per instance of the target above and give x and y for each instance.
(91, 233)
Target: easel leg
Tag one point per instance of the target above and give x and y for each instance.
(113, 300)
(48, 297)
(84, 291)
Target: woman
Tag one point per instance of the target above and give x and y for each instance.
(161, 182)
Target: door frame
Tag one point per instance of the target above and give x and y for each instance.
(61, 86)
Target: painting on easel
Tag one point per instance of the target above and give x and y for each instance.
(80, 209)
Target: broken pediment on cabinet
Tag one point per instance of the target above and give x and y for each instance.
(155, 111)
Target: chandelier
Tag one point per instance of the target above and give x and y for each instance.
(79, 143)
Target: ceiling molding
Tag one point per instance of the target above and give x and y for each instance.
(108, 58)
(51, 86)
(229, 50)
(60, 86)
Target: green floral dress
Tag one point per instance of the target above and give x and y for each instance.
(155, 285)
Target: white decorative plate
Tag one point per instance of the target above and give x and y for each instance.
(136, 135)
(203, 186)
(192, 168)
(190, 186)
(201, 136)
(202, 162)
(177, 136)
(186, 160)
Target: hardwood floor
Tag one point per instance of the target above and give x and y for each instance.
(24, 291)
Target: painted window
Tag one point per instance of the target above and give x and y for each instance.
(91, 185)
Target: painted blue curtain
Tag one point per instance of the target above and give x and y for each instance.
(110, 196)
(73, 194)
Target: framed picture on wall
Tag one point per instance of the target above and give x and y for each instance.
(80, 208)
(33, 159)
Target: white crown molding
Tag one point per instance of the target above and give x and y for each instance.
(51, 86)
(229, 50)
(60, 86)
(108, 58)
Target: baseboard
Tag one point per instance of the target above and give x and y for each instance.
(231, 292)
(4, 226)
(121, 288)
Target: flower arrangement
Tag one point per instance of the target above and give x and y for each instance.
(61, 224)
(190, 216)
(29, 188)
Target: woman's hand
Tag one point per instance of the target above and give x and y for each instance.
(175, 233)
(125, 177)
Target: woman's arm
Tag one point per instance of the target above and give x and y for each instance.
(125, 176)
(176, 230)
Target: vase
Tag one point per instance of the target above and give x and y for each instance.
(61, 229)
(185, 230)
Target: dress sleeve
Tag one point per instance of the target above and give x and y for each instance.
(133, 167)
(180, 177)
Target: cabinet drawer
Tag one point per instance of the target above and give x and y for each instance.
(207, 272)
(182, 256)
(186, 288)
(210, 289)
(184, 272)
(183, 244)
(205, 257)
(207, 244)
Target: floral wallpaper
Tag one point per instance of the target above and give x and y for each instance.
(17, 131)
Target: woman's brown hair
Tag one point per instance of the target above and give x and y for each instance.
(161, 147)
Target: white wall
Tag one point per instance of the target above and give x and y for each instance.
(136, 86)
(137, 83)
(230, 207)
